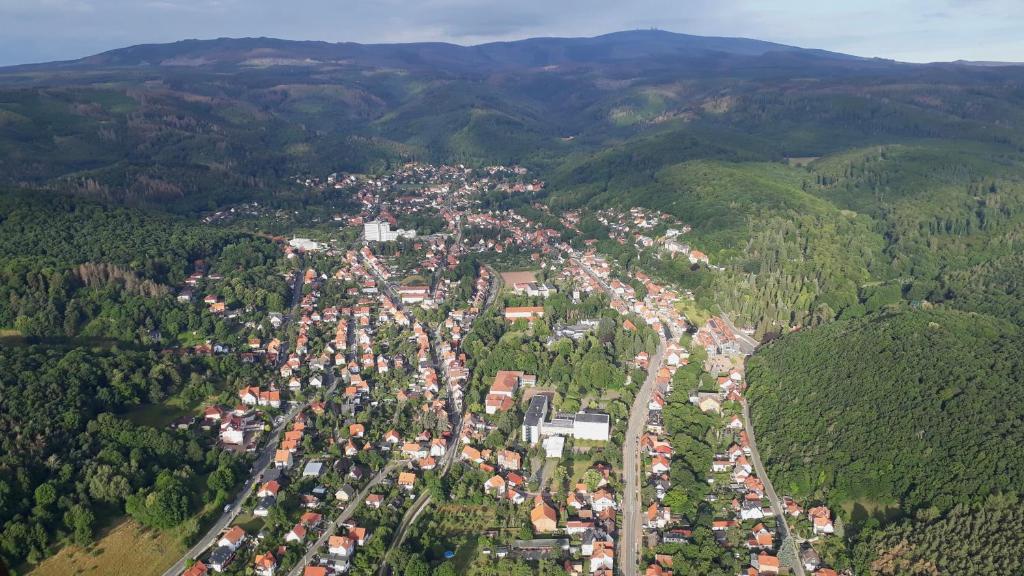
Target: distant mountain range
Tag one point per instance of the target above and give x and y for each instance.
(611, 48)
(196, 121)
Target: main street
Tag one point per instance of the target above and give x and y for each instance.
(629, 540)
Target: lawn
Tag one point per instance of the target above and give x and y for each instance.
(124, 549)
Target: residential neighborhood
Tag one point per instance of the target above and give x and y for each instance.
(396, 396)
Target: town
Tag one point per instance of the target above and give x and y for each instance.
(459, 383)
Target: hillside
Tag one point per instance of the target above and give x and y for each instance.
(201, 123)
(901, 414)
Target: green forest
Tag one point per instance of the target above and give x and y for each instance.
(72, 462)
(901, 413)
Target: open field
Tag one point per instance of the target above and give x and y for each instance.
(511, 278)
(125, 549)
(156, 415)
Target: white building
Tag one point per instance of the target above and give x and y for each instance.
(590, 426)
(304, 244)
(380, 231)
(553, 446)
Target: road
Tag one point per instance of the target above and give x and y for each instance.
(629, 541)
(263, 460)
(747, 344)
(632, 475)
(340, 519)
(780, 514)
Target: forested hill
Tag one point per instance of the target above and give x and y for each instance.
(195, 124)
(908, 415)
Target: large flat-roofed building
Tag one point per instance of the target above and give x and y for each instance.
(560, 425)
(591, 426)
(380, 231)
(533, 421)
(582, 425)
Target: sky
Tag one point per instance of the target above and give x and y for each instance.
(908, 30)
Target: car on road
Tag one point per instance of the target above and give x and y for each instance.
(227, 507)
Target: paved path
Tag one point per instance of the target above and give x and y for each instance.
(629, 541)
(769, 490)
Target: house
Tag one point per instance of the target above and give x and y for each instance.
(197, 569)
(414, 450)
(314, 571)
(503, 390)
(602, 558)
(345, 493)
(543, 516)
(373, 501)
(271, 398)
(233, 538)
(283, 459)
(495, 485)
(657, 517)
(313, 469)
(810, 559)
(513, 313)
(751, 510)
(341, 545)
(356, 430)
(270, 488)
(263, 506)
(358, 535)
(265, 564)
(760, 537)
(602, 500)
(250, 395)
(821, 517)
(311, 519)
(709, 402)
(407, 480)
(471, 454)
(660, 464)
(438, 448)
(296, 534)
(509, 460)
(764, 563)
(221, 557)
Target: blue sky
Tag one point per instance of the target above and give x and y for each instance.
(910, 30)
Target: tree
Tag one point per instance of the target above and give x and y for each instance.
(79, 520)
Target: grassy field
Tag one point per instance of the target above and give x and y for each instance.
(124, 549)
(157, 415)
(693, 313)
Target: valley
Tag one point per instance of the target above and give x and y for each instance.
(638, 303)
